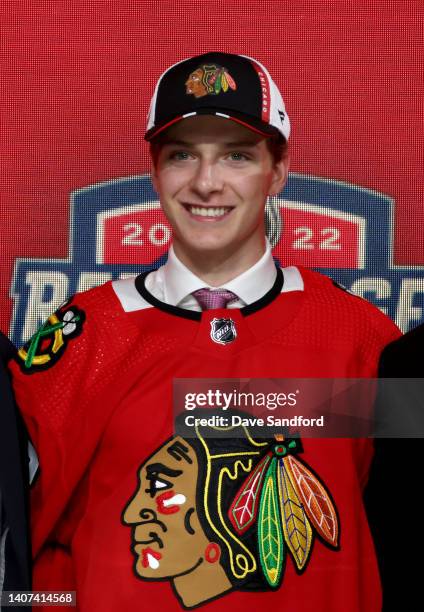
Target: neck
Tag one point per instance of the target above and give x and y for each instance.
(205, 582)
(218, 268)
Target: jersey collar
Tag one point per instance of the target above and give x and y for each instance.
(194, 315)
(178, 282)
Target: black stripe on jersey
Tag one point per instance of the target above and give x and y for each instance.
(195, 315)
(175, 310)
(268, 297)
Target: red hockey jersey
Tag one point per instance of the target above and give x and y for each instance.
(134, 517)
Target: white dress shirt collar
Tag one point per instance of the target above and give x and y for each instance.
(176, 282)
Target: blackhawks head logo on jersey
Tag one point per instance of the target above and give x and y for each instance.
(216, 514)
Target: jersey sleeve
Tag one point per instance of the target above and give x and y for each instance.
(62, 379)
(378, 333)
(371, 329)
(355, 327)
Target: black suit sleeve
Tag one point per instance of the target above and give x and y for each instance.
(13, 483)
(392, 497)
(7, 349)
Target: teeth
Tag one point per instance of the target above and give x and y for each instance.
(208, 212)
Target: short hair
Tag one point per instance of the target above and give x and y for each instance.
(278, 147)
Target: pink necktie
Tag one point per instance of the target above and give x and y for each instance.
(214, 298)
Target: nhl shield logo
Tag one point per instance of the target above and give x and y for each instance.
(223, 331)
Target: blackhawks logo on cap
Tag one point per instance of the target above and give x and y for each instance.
(209, 79)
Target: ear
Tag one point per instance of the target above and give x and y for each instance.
(280, 175)
(154, 176)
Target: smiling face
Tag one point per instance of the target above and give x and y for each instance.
(162, 514)
(213, 177)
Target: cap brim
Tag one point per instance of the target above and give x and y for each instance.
(251, 123)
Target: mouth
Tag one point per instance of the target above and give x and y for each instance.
(208, 213)
(149, 557)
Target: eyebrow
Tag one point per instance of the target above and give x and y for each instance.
(178, 143)
(244, 143)
(160, 468)
(236, 143)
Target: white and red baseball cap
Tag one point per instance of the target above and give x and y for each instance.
(235, 87)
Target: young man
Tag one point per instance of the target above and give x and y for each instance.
(131, 515)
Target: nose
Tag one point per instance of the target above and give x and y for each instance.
(207, 179)
(132, 512)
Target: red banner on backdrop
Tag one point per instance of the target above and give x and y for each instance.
(78, 78)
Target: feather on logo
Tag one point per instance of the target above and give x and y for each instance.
(288, 503)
